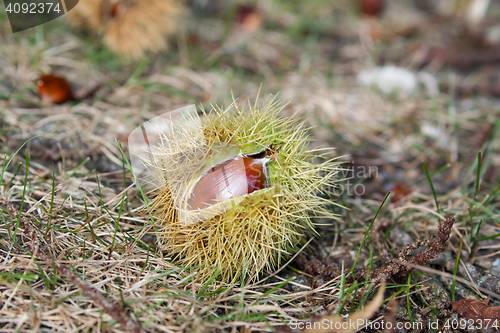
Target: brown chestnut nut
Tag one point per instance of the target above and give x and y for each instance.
(235, 177)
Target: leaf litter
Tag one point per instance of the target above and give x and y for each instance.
(112, 276)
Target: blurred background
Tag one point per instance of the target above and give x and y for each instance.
(405, 90)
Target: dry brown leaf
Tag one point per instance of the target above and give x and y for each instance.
(351, 324)
(371, 7)
(476, 310)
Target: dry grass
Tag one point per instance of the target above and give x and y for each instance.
(73, 240)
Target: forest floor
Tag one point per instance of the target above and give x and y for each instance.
(67, 191)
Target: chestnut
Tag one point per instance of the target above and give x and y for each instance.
(236, 177)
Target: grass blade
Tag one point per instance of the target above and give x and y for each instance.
(367, 231)
(432, 186)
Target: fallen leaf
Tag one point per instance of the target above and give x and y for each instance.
(54, 89)
(371, 7)
(400, 191)
(249, 18)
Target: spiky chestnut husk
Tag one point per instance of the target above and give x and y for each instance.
(129, 27)
(263, 228)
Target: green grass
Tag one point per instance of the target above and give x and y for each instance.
(368, 231)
